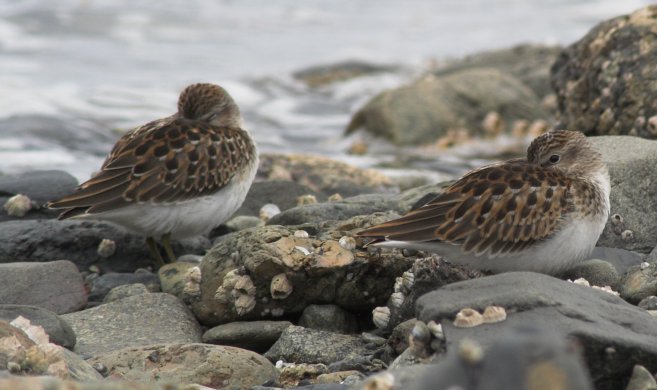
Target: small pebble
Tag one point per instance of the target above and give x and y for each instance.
(18, 205)
(436, 330)
(300, 234)
(269, 210)
(421, 333)
(348, 243)
(649, 303)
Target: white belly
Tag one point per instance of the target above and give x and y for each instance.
(184, 219)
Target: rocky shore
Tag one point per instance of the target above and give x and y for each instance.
(284, 296)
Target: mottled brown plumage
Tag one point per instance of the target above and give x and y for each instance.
(510, 208)
(194, 154)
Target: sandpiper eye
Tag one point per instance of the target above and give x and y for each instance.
(554, 158)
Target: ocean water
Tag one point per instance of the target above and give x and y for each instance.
(74, 73)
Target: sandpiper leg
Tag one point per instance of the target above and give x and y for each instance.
(166, 243)
(155, 251)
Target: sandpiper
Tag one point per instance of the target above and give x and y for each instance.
(174, 177)
(542, 213)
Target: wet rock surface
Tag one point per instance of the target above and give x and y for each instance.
(77, 241)
(331, 318)
(56, 286)
(614, 335)
(601, 79)
(137, 320)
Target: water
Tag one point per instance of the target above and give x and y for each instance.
(71, 71)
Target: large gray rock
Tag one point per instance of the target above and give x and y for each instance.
(271, 271)
(529, 63)
(256, 336)
(604, 81)
(429, 108)
(58, 330)
(631, 162)
(40, 187)
(213, 366)
(48, 240)
(133, 321)
(614, 335)
(302, 345)
(56, 286)
(526, 358)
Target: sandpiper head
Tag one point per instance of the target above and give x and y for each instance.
(568, 151)
(210, 103)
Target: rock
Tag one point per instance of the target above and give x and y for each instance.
(242, 222)
(528, 63)
(303, 345)
(601, 80)
(338, 377)
(621, 259)
(614, 334)
(103, 284)
(256, 336)
(58, 330)
(340, 210)
(427, 274)
(525, 358)
(432, 107)
(124, 291)
(50, 383)
(633, 177)
(648, 303)
(239, 273)
(173, 278)
(320, 75)
(398, 340)
(294, 374)
(282, 193)
(24, 350)
(213, 366)
(56, 286)
(596, 272)
(40, 187)
(330, 318)
(133, 321)
(641, 379)
(322, 175)
(638, 283)
(77, 241)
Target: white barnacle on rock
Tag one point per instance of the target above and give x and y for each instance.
(106, 248)
(398, 284)
(436, 330)
(382, 381)
(18, 205)
(348, 243)
(192, 286)
(335, 197)
(468, 318)
(627, 235)
(306, 199)
(581, 282)
(230, 279)
(222, 295)
(244, 304)
(470, 351)
(607, 289)
(397, 299)
(644, 265)
(493, 314)
(408, 280)
(616, 219)
(269, 210)
(244, 286)
(280, 287)
(381, 317)
(300, 234)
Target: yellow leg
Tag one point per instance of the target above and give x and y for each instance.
(166, 243)
(155, 251)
